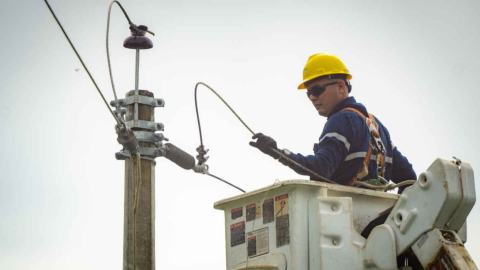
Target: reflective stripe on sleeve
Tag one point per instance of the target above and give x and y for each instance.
(356, 155)
(338, 137)
(364, 154)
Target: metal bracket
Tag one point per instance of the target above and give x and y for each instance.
(147, 136)
(154, 102)
(201, 169)
(146, 153)
(145, 125)
(124, 154)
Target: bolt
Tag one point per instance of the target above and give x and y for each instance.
(334, 207)
(447, 225)
(334, 242)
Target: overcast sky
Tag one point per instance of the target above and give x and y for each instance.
(414, 66)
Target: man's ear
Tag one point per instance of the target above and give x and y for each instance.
(343, 87)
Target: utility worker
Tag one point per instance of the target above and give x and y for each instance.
(354, 145)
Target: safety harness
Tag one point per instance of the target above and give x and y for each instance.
(376, 147)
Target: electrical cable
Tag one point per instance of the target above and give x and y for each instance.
(384, 187)
(83, 64)
(209, 174)
(108, 31)
(224, 102)
(253, 133)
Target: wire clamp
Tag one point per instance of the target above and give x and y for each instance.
(201, 155)
(145, 125)
(126, 137)
(147, 153)
(201, 169)
(148, 136)
(130, 100)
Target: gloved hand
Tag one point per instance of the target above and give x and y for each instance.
(265, 143)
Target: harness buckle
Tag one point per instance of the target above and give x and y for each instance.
(363, 172)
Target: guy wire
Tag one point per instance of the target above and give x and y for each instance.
(83, 64)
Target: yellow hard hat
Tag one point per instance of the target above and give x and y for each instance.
(323, 64)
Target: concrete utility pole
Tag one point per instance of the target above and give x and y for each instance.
(144, 249)
(139, 208)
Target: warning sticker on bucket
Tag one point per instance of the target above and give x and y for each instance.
(253, 211)
(257, 242)
(237, 212)
(237, 234)
(282, 222)
(281, 205)
(282, 227)
(268, 214)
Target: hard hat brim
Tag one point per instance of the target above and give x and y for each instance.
(302, 85)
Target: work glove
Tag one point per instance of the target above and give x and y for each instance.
(265, 143)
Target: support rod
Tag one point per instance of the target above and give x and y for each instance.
(137, 75)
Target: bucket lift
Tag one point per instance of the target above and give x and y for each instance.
(314, 225)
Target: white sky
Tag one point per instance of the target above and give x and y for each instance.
(414, 66)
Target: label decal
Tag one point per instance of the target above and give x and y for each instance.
(282, 226)
(422, 240)
(237, 212)
(257, 242)
(251, 212)
(282, 222)
(237, 234)
(281, 205)
(267, 209)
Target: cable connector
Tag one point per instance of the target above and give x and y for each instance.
(201, 155)
(126, 137)
(201, 169)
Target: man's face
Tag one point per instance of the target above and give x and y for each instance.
(327, 100)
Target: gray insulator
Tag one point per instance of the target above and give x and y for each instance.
(179, 157)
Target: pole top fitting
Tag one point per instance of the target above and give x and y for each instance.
(138, 40)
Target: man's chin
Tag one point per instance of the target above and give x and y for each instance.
(321, 113)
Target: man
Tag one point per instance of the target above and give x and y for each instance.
(354, 146)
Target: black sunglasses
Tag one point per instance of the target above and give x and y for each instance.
(317, 90)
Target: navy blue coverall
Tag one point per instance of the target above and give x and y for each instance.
(343, 145)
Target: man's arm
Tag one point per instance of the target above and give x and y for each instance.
(333, 148)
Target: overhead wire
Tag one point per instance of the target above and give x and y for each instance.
(83, 64)
(209, 174)
(224, 102)
(108, 31)
(253, 133)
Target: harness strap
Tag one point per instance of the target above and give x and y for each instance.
(373, 127)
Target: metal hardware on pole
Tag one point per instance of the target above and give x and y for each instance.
(137, 70)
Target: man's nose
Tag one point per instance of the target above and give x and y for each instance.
(312, 97)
